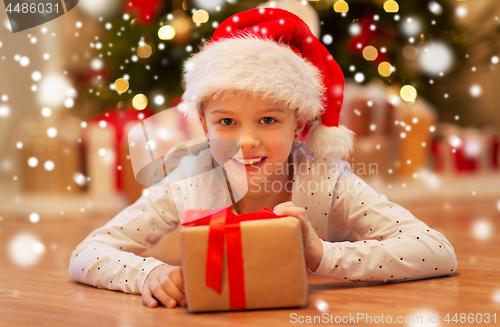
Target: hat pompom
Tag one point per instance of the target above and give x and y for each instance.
(327, 142)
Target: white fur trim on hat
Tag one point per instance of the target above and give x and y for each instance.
(328, 142)
(257, 66)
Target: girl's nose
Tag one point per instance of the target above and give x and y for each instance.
(248, 138)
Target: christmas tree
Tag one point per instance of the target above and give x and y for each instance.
(413, 43)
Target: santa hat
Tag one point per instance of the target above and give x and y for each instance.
(272, 52)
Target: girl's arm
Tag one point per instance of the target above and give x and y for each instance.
(390, 243)
(109, 256)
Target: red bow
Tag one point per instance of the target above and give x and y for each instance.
(223, 223)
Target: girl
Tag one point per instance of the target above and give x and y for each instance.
(265, 82)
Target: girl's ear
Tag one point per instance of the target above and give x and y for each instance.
(201, 115)
(203, 122)
(299, 128)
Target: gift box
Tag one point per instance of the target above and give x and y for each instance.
(58, 158)
(238, 262)
(393, 137)
(366, 110)
(458, 150)
(412, 137)
(370, 156)
(102, 140)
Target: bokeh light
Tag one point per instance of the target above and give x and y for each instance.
(140, 101)
(144, 50)
(410, 52)
(391, 6)
(482, 229)
(408, 93)
(370, 53)
(340, 6)
(34, 217)
(327, 39)
(436, 58)
(461, 11)
(79, 179)
(354, 29)
(159, 100)
(46, 112)
(359, 77)
(4, 111)
(121, 85)
(48, 165)
(495, 297)
(52, 132)
(25, 250)
(321, 305)
(53, 90)
(200, 16)
(435, 8)
(385, 69)
(475, 90)
(166, 32)
(411, 26)
(32, 162)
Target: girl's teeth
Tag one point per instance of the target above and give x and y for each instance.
(249, 161)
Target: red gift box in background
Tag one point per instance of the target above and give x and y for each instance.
(116, 120)
(458, 150)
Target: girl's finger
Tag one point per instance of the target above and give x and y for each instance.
(283, 205)
(292, 211)
(163, 297)
(174, 292)
(176, 276)
(148, 300)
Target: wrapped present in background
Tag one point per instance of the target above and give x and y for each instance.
(411, 137)
(262, 264)
(102, 141)
(459, 150)
(108, 160)
(367, 113)
(162, 132)
(52, 158)
(392, 136)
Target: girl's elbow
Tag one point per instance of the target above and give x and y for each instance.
(75, 268)
(449, 261)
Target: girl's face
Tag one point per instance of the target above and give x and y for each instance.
(264, 129)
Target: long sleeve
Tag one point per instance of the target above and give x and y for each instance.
(109, 257)
(385, 241)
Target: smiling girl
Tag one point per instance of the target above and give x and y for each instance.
(265, 82)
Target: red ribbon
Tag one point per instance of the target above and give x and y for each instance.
(223, 223)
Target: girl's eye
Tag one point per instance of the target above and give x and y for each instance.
(268, 120)
(226, 121)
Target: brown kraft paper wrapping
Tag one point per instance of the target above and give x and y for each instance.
(273, 263)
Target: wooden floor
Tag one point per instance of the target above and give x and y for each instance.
(45, 295)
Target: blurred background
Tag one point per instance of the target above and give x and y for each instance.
(421, 95)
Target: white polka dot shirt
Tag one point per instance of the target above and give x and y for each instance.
(365, 236)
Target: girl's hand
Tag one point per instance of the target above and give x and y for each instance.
(312, 243)
(165, 284)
